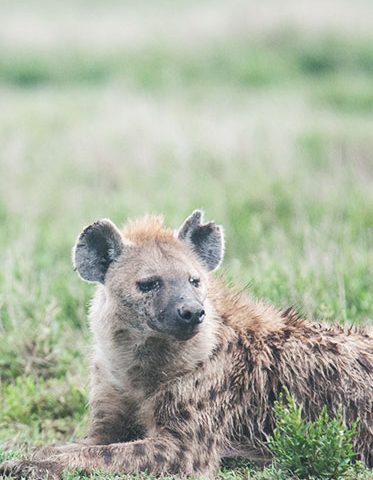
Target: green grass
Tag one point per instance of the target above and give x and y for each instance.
(277, 59)
(318, 449)
(270, 132)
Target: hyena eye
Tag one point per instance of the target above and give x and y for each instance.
(194, 281)
(149, 285)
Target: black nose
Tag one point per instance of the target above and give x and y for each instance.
(191, 314)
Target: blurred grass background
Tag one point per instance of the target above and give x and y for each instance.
(261, 115)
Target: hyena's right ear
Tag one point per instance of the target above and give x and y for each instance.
(97, 246)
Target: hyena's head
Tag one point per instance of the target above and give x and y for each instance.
(156, 278)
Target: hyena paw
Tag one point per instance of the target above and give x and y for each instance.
(28, 469)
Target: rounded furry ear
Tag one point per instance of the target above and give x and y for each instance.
(97, 247)
(205, 239)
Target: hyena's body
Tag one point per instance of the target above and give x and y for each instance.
(177, 400)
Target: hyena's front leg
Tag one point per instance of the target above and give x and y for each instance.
(112, 420)
(191, 444)
(167, 454)
(192, 451)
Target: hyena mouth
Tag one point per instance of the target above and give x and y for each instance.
(186, 333)
(183, 333)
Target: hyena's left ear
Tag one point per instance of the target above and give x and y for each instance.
(205, 239)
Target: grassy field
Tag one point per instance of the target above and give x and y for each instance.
(114, 109)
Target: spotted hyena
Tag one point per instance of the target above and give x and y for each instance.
(185, 370)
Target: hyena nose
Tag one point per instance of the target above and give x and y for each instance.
(191, 314)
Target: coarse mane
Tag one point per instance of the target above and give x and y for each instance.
(148, 228)
(239, 309)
